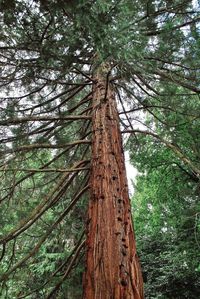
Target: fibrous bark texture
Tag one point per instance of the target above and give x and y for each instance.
(112, 267)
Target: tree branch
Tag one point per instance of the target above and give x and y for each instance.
(46, 235)
(43, 145)
(44, 170)
(39, 210)
(14, 121)
(56, 288)
(170, 145)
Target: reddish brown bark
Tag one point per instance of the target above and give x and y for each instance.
(112, 268)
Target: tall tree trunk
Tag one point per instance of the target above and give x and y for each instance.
(112, 268)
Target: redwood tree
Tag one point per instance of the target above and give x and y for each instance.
(66, 68)
(112, 269)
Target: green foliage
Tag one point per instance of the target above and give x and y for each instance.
(166, 203)
(49, 50)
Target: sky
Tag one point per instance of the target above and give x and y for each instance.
(131, 173)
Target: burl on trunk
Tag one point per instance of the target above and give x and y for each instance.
(112, 267)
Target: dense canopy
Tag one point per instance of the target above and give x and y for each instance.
(49, 52)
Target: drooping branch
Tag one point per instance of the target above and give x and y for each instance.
(160, 107)
(169, 62)
(86, 99)
(43, 145)
(45, 236)
(16, 183)
(44, 169)
(51, 199)
(157, 32)
(124, 111)
(173, 79)
(76, 254)
(64, 264)
(14, 121)
(75, 90)
(170, 145)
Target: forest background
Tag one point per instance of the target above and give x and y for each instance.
(48, 53)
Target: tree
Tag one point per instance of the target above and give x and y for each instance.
(64, 64)
(112, 269)
(166, 201)
(166, 206)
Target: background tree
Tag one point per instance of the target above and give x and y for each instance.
(166, 205)
(49, 52)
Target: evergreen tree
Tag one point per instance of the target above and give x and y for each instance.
(166, 203)
(64, 64)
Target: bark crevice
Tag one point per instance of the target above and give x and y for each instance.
(112, 267)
